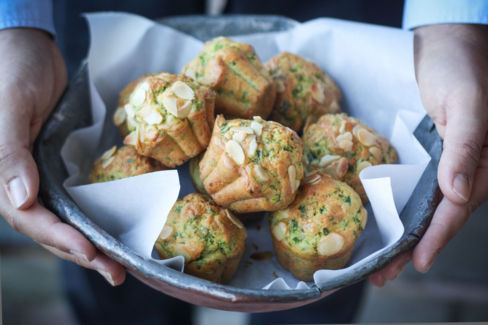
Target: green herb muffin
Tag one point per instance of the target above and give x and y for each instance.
(252, 165)
(124, 162)
(319, 229)
(209, 237)
(169, 117)
(303, 90)
(337, 136)
(243, 86)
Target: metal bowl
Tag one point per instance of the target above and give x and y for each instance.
(71, 114)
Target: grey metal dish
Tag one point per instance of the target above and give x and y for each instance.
(71, 114)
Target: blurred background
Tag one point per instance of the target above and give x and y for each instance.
(454, 290)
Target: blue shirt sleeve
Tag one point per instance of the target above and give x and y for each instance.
(27, 13)
(427, 12)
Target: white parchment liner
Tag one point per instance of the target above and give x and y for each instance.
(373, 66)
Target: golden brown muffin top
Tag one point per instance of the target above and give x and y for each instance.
(324, 220)
(121, 163)
(201, 232)
(159, 102)
(337, 135)
(303, 90)
(243, 86)
(269, 153)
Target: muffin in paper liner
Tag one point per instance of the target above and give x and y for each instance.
(121, 163)
(209, 237)
(343, 146)
(252, 165)
(169, 117)
(303, 90)
(319, 229)
(243, 86)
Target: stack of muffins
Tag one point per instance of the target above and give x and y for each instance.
(241, 162)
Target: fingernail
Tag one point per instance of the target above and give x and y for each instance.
(460, 186)
(79, 255)
(427, 266)
(107, 277)
(17, 192)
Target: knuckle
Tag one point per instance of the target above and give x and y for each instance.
(9, 155)
(469, 151)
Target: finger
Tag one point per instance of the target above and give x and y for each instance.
(465, 133)
(112, 271)
(45, 228)
(391, 271)
(18, 171)
(449, 218)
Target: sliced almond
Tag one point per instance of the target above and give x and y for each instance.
(150, 115)
(233, 220)
(244, 129)
(234, 150)
(182, 90)
(106, 163)
(253, 145)
(283, 214)
(342, 128)
(109, 153)
(119, 116)
(151, 133)
(346, 145)
(138, 97)
(239, 136)
(318, 93)
(258, 118)
(328, 159)
(292, 175)
(131, 139)
(363, 164)
(169, 103)
(314, 179)
(366, 138)
(344, 136)
(257, 127)
(191, 71)
(330, 244)
(184, 110)
(166, 232)
(261, 173)
(279, 230)
(376, 152)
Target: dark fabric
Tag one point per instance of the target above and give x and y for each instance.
(339, 308)
(94, 301)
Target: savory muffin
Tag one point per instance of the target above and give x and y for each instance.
(209, 237)
(195, 174)
(120, 117)
(319, 229)
(337, 136)
(169, 117)
(121, 163)
(252, 165)
(303, 90)
(234, 71)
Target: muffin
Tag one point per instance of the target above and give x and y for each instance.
(124, 162)
(209, 237)
(303, 90)
(120, 117)
(243, 86)
(252, 165)
(169, 117)
(319, 229)
(337, 136)
(195, 174)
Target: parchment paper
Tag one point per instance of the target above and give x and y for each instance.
(372, 65)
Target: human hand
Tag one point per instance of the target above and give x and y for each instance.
(33, 76)
(451, 65)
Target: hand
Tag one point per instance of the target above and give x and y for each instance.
(33, 76)
(451, 64)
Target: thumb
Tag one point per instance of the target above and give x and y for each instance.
(18, 171)
(464, 137)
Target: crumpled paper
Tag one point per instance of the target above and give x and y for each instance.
(373, 66)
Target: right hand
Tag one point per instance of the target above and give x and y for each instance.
(32, 78)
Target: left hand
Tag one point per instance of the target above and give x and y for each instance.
(451, 65)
